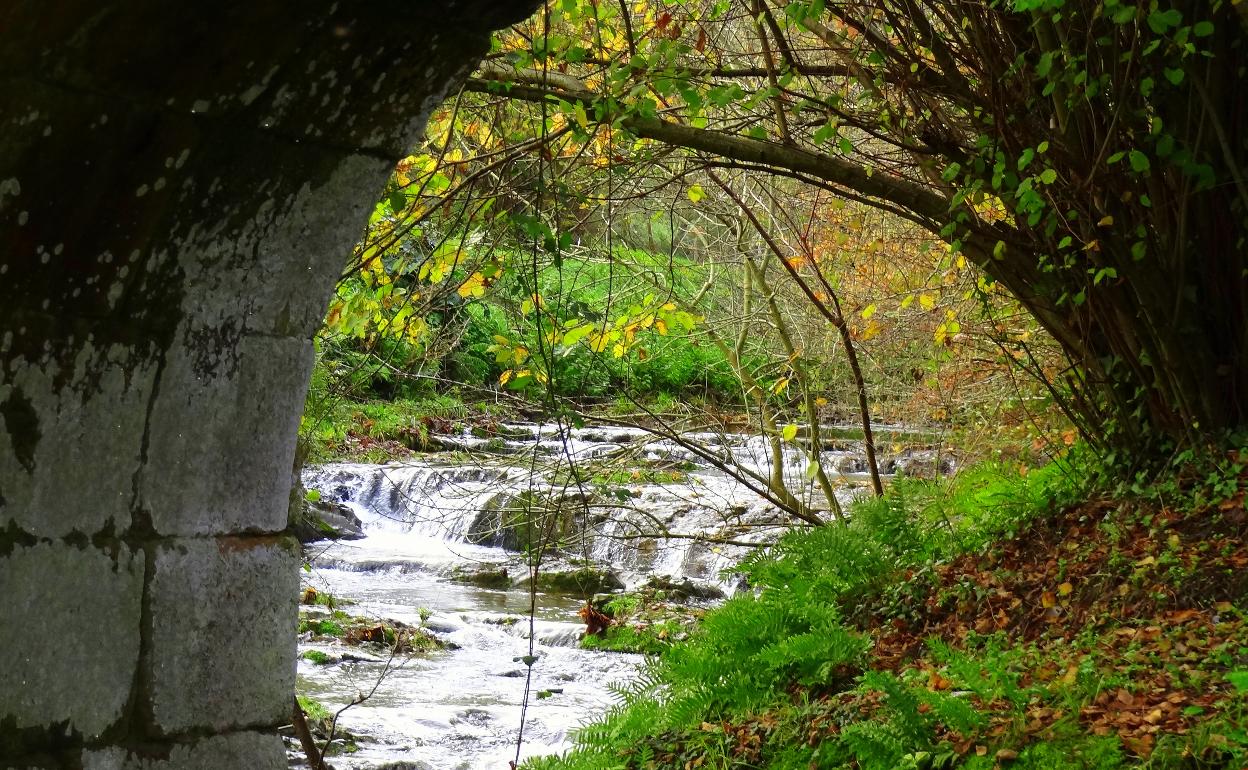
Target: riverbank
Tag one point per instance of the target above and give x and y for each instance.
(380, 431)
(997, 620)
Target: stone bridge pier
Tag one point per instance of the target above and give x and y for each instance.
(180, 186)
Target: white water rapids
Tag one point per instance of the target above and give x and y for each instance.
(461, 708)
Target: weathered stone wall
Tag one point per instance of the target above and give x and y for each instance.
(180, 184)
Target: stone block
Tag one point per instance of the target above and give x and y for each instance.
(252, 751)
(223, 434)
(70, 635)
(286, 216)
(70, 440)
(222, 652)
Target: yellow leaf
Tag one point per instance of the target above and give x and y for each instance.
(780, 385)
(473, 286)
(789, 432)
(868, 311)
(1065, 589)
(927, 301)
(1106, 221)
(618, 350)
(1047, 600)
(661, 325)
(505, 377)
(695, 193)
(821, 401)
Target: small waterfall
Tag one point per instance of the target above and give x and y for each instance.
(695, 527)
(437, 501)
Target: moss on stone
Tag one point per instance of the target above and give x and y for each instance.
(581, 581)
(488, 577)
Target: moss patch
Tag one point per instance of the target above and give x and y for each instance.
(482, 578)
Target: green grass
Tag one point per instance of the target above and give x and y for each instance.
(650, 640)
(314, 709)
(317, 657)
(321, 627)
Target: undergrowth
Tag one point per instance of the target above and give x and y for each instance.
(998, 619)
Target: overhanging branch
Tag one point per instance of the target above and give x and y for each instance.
(537, 87)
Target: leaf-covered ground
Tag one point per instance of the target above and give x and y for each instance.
(1109, 620)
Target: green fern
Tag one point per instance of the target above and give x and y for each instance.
(876, 745)
(986, 672)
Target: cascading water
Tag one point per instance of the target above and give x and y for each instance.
(461, 708)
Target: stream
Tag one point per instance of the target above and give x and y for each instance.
(433, 522)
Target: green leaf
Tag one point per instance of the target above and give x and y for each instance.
(1123, 14)
(1202, 28)
(1174, 75)
(1048, 176)
(1139, 161)
(1238, 680)
(1160, 21)
(312, 495)
(1045, 65)
(1104, 273)
(575, 335)
(695, 193)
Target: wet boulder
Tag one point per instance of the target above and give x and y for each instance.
(525, 521)
(579, 581)
(683, 590)
(325, 520)
(483, 577)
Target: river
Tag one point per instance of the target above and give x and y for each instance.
(460, 709)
